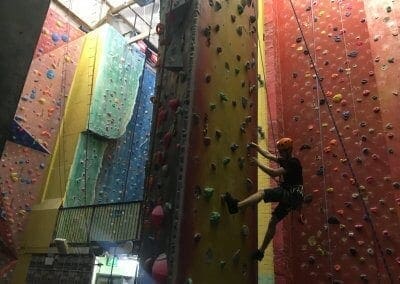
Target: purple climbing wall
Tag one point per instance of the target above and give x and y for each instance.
(344, 124)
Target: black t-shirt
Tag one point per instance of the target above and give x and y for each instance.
(294, 172)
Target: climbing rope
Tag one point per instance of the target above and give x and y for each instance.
(88, 132)
(357, 184)
(62, 106)
(322, 147)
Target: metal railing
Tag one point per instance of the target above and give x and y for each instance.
(99, 223)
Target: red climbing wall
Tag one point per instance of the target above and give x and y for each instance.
(21, 175)
(344, 125)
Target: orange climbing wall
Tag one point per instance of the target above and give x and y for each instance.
(353, 189)
(205, 114)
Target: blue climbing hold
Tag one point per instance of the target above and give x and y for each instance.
(33, 94)
(346, 115)
(65, 38)
(55, 37)
(50, 74)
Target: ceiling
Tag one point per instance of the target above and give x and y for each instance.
(134, 19)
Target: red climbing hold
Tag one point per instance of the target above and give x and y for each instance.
(160, 269)
(157, 215)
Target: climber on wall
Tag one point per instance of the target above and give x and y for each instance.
(289, 193)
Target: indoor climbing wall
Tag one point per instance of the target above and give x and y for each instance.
(21, 174)
(56, 32)
(123, 169)
(35, 126)
(112, 77)
(344, 126)
(206, 114)
(115, 86)
(39, 112)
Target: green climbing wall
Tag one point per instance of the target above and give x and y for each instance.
(115, 86)
(85, 170)
(206, 113)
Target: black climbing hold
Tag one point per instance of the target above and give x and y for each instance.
(333, 220)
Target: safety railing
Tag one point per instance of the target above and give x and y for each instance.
(99, 223)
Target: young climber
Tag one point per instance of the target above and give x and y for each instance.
(289, 193)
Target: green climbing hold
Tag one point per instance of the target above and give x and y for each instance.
(223, 97)
(215, 217)
(208, 192)
(240, 9)
(226, 161)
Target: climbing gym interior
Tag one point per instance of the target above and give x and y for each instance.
(126, 122)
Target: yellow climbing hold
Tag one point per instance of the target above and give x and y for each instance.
(312, 241)
(337, 98)
(42, 101)
(329, 189)
(14, 177)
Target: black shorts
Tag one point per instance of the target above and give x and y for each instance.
(287, 198)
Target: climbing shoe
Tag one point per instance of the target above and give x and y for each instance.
(231, 202)
(257, 255)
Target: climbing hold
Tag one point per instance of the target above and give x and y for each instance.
(388, 9)
(218, 134)
(333, 220)
(208, 192)
(50, 74)
(157, 215)
(358, 226)
(346, 115)
(385, 233)
(240, 9)
(337, 267)
(353, 54)
(234, 147)
(376, 109)
(389, 251)
(215, 217)
(206, 141)
(226, 161)
(197, 237)
(337, 98)
(223, 97)
(239, 31)
(160, 269)
(311, 259)
(245, 231)
(222, 264)
(217, 6)
(364, 277)
(370, 251)
(353, 251)
(213, 106)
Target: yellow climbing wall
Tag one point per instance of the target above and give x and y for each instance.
(206, 114)
(225, 100)
(266, 266)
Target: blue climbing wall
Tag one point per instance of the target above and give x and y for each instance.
(123, 169)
